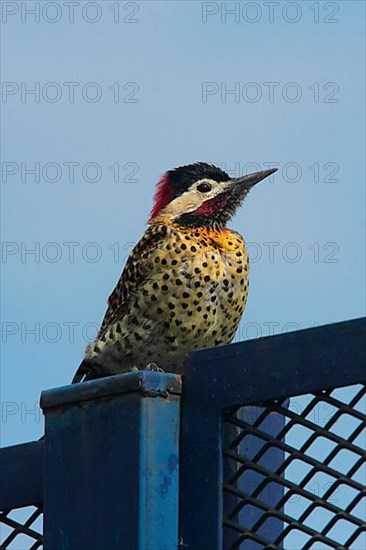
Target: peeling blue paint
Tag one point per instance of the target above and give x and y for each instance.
(164, 486)
(172, 463)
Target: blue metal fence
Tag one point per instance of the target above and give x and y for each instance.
(223, 458)
(264, 372)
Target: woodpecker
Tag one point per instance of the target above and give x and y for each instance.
(185, 284)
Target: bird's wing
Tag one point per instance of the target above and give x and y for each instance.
(138, 267)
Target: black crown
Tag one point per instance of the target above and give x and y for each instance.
(183, 177)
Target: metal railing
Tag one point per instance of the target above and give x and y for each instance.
(314, 491)
(238, 461)
(265, 448)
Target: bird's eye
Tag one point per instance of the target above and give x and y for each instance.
(204, 187)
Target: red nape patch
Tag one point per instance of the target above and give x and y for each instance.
(210, 207)
(164, 194)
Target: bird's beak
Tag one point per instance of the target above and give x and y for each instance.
(247, 182)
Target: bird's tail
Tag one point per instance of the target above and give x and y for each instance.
(82, 372)
(88, 369)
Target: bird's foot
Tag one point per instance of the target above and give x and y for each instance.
(154, 367)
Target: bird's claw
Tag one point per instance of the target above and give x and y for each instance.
(153, 367)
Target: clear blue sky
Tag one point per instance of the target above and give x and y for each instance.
(174, 67)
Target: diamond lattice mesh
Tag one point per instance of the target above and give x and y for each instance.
(295, 472)
(21, 529)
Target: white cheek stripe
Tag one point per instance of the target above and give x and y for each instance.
(193, 199)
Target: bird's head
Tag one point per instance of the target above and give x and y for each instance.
(201, 194)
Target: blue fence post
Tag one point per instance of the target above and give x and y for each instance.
(111, 463)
